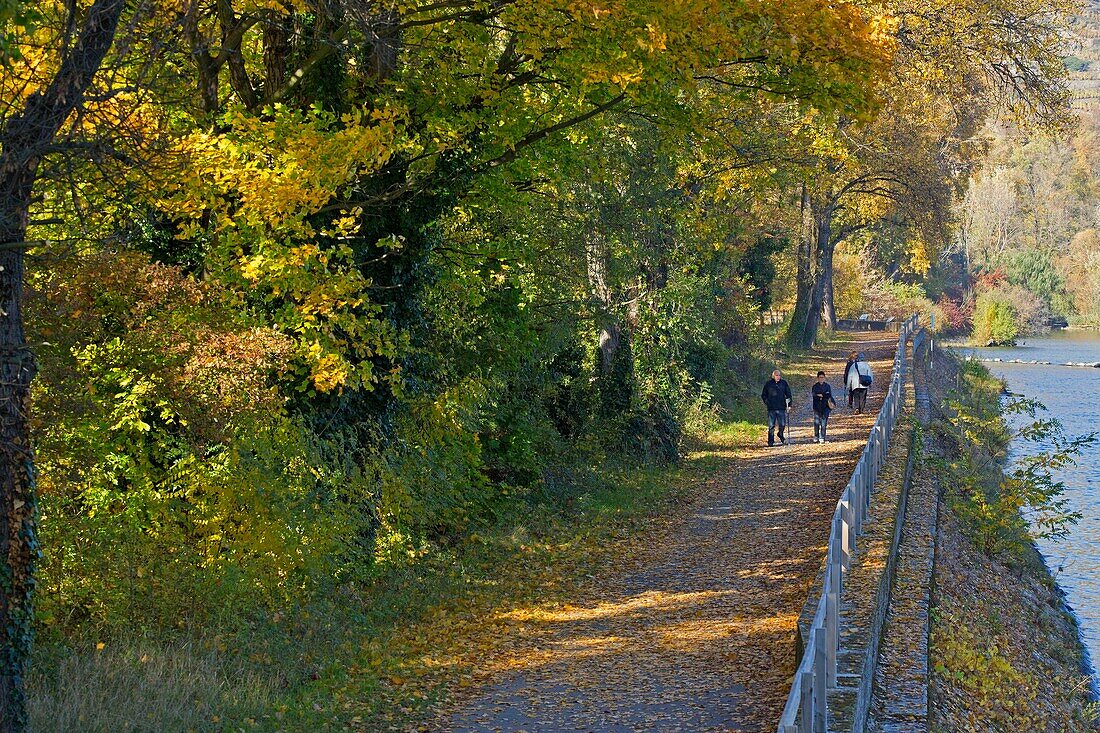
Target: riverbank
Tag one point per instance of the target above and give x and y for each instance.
(1006, 652)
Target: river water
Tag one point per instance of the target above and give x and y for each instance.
(1071, 394)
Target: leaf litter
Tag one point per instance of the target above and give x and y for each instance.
(686, 623)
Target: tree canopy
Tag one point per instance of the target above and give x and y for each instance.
(305, 282)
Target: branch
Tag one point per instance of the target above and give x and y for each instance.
(856, 184)
(46, 110)
(322, 53)
(734, 84)
(847, 231)
(758, 59)
(231, 43)
(534, 137)
(93, 149)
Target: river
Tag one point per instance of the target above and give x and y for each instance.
(1071, 394)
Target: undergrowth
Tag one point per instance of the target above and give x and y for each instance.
(1003, 509)
(375, 648)
(353, 656)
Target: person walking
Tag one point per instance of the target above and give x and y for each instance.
(847, 369)
(777, 398)
(822, 393)
(858, 382)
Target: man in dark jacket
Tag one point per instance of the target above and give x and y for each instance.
(777, 398)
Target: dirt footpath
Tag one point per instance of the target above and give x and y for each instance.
(693, 629)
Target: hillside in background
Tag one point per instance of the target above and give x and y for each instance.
(1028, 227)
(1084, 62)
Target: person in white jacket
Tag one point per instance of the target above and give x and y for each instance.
(852, 357)
(858, 380)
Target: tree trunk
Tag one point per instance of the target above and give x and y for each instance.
(384, 44)
(205, 66)
(611, 338)
(231, 43)
(821, 309)
(595, 250)
(828, 304)
(813, 316)
(804, 274)
(276, 44)
(615, 362)
(18, 538)
(825, 247)
(22, 141)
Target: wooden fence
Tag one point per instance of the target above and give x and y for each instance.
(806, 710)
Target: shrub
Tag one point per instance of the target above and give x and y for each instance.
(897, 300)
(173, 484)
(1033, 270)
(1005, 312)
(991, 503)
(957, 315)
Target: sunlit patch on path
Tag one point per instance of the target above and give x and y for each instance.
(693, 628)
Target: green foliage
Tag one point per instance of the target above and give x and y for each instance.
(758, 268)
(994, 319)
(432, 485)
(975, 664)
(1034, 270)
(174, 486)
(1076, 64)
(1003, 511)
(14, 13)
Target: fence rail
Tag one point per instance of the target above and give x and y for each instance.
(806, 710)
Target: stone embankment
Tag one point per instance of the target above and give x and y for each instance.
(900, 700)
(867, 584)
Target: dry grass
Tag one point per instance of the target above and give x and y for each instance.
(141, 687)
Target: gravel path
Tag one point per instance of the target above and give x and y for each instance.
(693, 628)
